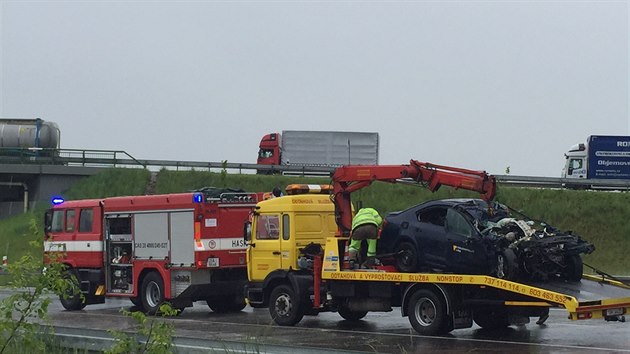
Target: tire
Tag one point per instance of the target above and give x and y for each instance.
(491, 319)
(406, 257)
(152, 293)
(350, 315)
(574, 269)
(427, 313)
(137, 302)
(227, 304)
(284, 306)
(72, 300)
(507, 265)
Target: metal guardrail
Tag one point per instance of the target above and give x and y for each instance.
(72, 157)
(114, 158)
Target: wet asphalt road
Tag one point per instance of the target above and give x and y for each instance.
(376, 333)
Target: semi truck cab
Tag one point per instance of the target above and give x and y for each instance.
(269, 150)
(576, 162)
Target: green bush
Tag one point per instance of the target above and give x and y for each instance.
(151, 335)
(24, 321)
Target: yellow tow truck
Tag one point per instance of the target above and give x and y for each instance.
(297, 266)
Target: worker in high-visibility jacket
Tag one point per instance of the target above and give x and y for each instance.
(365, 225)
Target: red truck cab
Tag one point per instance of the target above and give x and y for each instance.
(269, 150)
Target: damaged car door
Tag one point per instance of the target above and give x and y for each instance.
(466, 250)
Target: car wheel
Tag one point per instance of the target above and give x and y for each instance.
(284, 306)
(350, 315)
(71, 299)
(152, 294)
(490, 318)
(507, 265)
(574, 268)
(406, 257)
(427, 313)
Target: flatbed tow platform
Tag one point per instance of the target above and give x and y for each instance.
(462, 297)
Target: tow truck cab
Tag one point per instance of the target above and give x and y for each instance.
(278, 234)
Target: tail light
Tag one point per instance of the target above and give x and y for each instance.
(584, 315)
(198, 234)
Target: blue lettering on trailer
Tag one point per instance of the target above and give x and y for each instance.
(609, 157)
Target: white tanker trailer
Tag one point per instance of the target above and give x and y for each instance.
(28, 133)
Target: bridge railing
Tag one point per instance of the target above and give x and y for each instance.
(71, 157)
(115, 158)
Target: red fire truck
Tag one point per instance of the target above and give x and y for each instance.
(178, 248)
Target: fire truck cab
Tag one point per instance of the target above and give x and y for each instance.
(178, 248)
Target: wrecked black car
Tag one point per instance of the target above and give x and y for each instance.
(470, 236)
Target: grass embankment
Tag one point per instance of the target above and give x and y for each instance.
(599, 217)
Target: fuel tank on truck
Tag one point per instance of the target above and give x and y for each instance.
(29, 133)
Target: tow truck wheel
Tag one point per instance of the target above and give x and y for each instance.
(427, 313)
(152, 294)
(227, 304)
(406, 257)
(490, 319)
(284, 306)
(71, 300)
(574, 268)
(350, 315)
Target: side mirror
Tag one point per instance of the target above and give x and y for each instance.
(247, 231)
(48, 221)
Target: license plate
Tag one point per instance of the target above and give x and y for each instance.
(614, 312)
(213, 262)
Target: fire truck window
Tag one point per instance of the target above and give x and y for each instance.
(57, 221)
(119, 226)
(69, 220)
(85, 220)
(285, 227)
(268, 227)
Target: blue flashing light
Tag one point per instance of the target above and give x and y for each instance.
(57, 200)
(198, 198)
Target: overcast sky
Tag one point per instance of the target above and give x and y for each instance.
(474, 84)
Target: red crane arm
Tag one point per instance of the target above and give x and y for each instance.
(347, 179)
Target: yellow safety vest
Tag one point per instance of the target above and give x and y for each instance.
(366, 216)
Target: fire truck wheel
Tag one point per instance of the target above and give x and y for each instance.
(227, 304)
(137, 302)
(406, 257)
(350, 315)
(491, 318)
(284, 306)
(152, 294)
(71, 300)
(427, 313)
